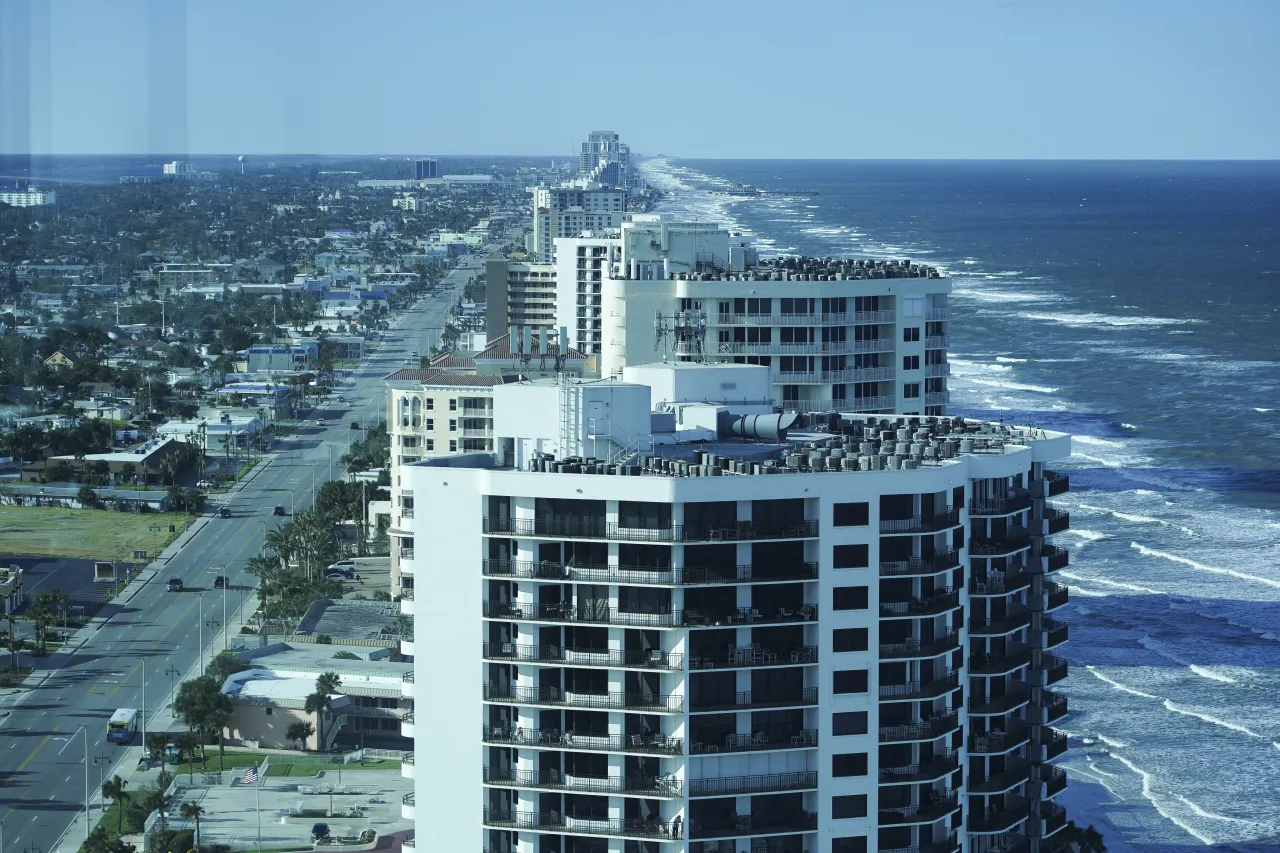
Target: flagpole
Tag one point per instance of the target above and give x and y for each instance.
(257, 807)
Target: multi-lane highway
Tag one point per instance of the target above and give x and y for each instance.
(157, 633)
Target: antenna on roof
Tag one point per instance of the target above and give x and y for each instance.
(686, 331)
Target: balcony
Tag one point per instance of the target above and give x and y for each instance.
(1053, 559)
(1048, 743)
(737, 786)
(941, 601)
(934, 727)
(746, 530)
(926, 771)
(1015, 620)
(1056, 595)
(921, 648)
(554, 780)
(594, 529)
(1053, 521)
(747, 616)
(558, 823)
(1052, 817)
(1050, 707)
(1018, 694)
(556, 697)
(1054, 484)
(1015, 657)
(745, 700)
(647, 744)
(1052, 669)
(1054, 780)
(868, 404)
(937, 398)
(406, 766)
(1049, 634)
(772, 737)
(560, 612)
(999, 584)
(1013, 540)
(406, 685)
(844, 318)
(920, 689)
(950, 844)
(406, 725)
(407, 810)
(936, 808)
(477, 433)
(560, 656)
(747, 824)
(651, 575)
(406, 553)
(1000, 818)
(937, 342)
(935, 371)
(833, 377)
(750, 656)
(997, 743)
(921, 566)
(921, 523)
(1018, 772)
(406, 601)
(1016, 502)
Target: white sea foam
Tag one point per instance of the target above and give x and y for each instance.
(1011, 386)
(1114, 743)
(1129, 587)
(1008, 360)
(1093, 439)
(1103, 320)
(1092, 670)
(1199, 812)
(1165, 813)
(1128, 426)
(1201, 567)
(1263, 410)
(1206, 672)
(1226, 724)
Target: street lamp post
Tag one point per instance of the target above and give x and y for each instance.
(85, 729)
(173, 672)
(100, 761)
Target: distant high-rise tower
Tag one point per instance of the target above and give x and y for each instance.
(604, 158)
(424, 170)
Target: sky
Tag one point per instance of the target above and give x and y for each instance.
(697, 78)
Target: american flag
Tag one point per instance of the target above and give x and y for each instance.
(251, 776)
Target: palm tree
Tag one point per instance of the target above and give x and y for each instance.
(61, 598)
(187, 742)
(319, 702)
(1087, 840)
(192, 811)
(114, 789)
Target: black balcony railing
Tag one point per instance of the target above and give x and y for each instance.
(1001, 506)
(767, 737)
(1056, 520)
(751, 656)
(921, 565)
(1000, 625)
(1048, 634)
(662, 704)
(1053, 707)
(1014, 539)
(1054, 817)
(950, 844)
(921, 648)
(1055, 558)
(711, 618)
(556, 822)
(928, 769)
(1055, 669)
(734, 786)
(999, 818)
(747, 700)
(998, 584)
(1056, 595)
(1054, 779)
(603, 615)
(1000, 664)
(921, 523)
(652, 743)
(651, 786)
(920, 689)
(659, 576)
(927, 730)
(1016, 773)
(926, 812)
(1056, 483)
(648, 659)
(1016, 694)
(756, 825)
(939, 602)
(1050, 742)
(584, 528)
(995, 743)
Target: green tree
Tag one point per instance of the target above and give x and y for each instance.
(192, 811)
(299, 732)
(127, 472)
(321, 701)
(41, 613)
(63, 601)
(88, 497)
(114, 789)
(187, 743)
(224, 665)
(203, 706)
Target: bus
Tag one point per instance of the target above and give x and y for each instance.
(122, 725)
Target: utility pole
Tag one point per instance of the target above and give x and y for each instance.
(172, 672)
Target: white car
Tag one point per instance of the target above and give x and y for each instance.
(337, 577)
(343, 566)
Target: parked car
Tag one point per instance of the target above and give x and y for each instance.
(355, 425)
(220, 582)
(206, 484)
(174, 585)
(279, 510)
(347, 567)
(224, 512)
(319, 831)
(319, 422)
(337, 577)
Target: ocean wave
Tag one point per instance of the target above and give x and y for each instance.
(1201, 567)
(1149, 795)
(1008, 360)
(1215, 721)
(1092, 670)
(1011, 386)
(1128, 587)
(1103, 320)
(1199, 812)
(1206, 672)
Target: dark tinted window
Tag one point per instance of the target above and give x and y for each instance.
(849, 764)
(853, 805)
(849, 723)
(849, 598)
(851, 515)
(849, 557)
(849, 640)
(850, 681)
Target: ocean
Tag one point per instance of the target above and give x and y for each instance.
(1137, 306)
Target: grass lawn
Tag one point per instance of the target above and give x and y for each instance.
(288, 765)
(91, 534)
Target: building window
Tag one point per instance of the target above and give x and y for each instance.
(431, 444)
(849, 557)
(453, 445)
(849, 598)
(849, 723)
(853, 805)
(453, 426)
(849, 844)
(851, 515)
(911, 334)
(849, 764)
(431, 424)
(849, 640)
(453, 405)
(849, 681)
(911, 390)
(911, 362)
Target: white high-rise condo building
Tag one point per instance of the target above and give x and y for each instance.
(836, 335)
(699, 628)
(568, 211)
(29, 198)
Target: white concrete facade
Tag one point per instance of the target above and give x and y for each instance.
(676, 661)
(568, 211)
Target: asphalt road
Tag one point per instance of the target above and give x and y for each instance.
(157, 633)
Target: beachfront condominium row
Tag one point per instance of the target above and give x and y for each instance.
(703, 627)
(836, 335)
